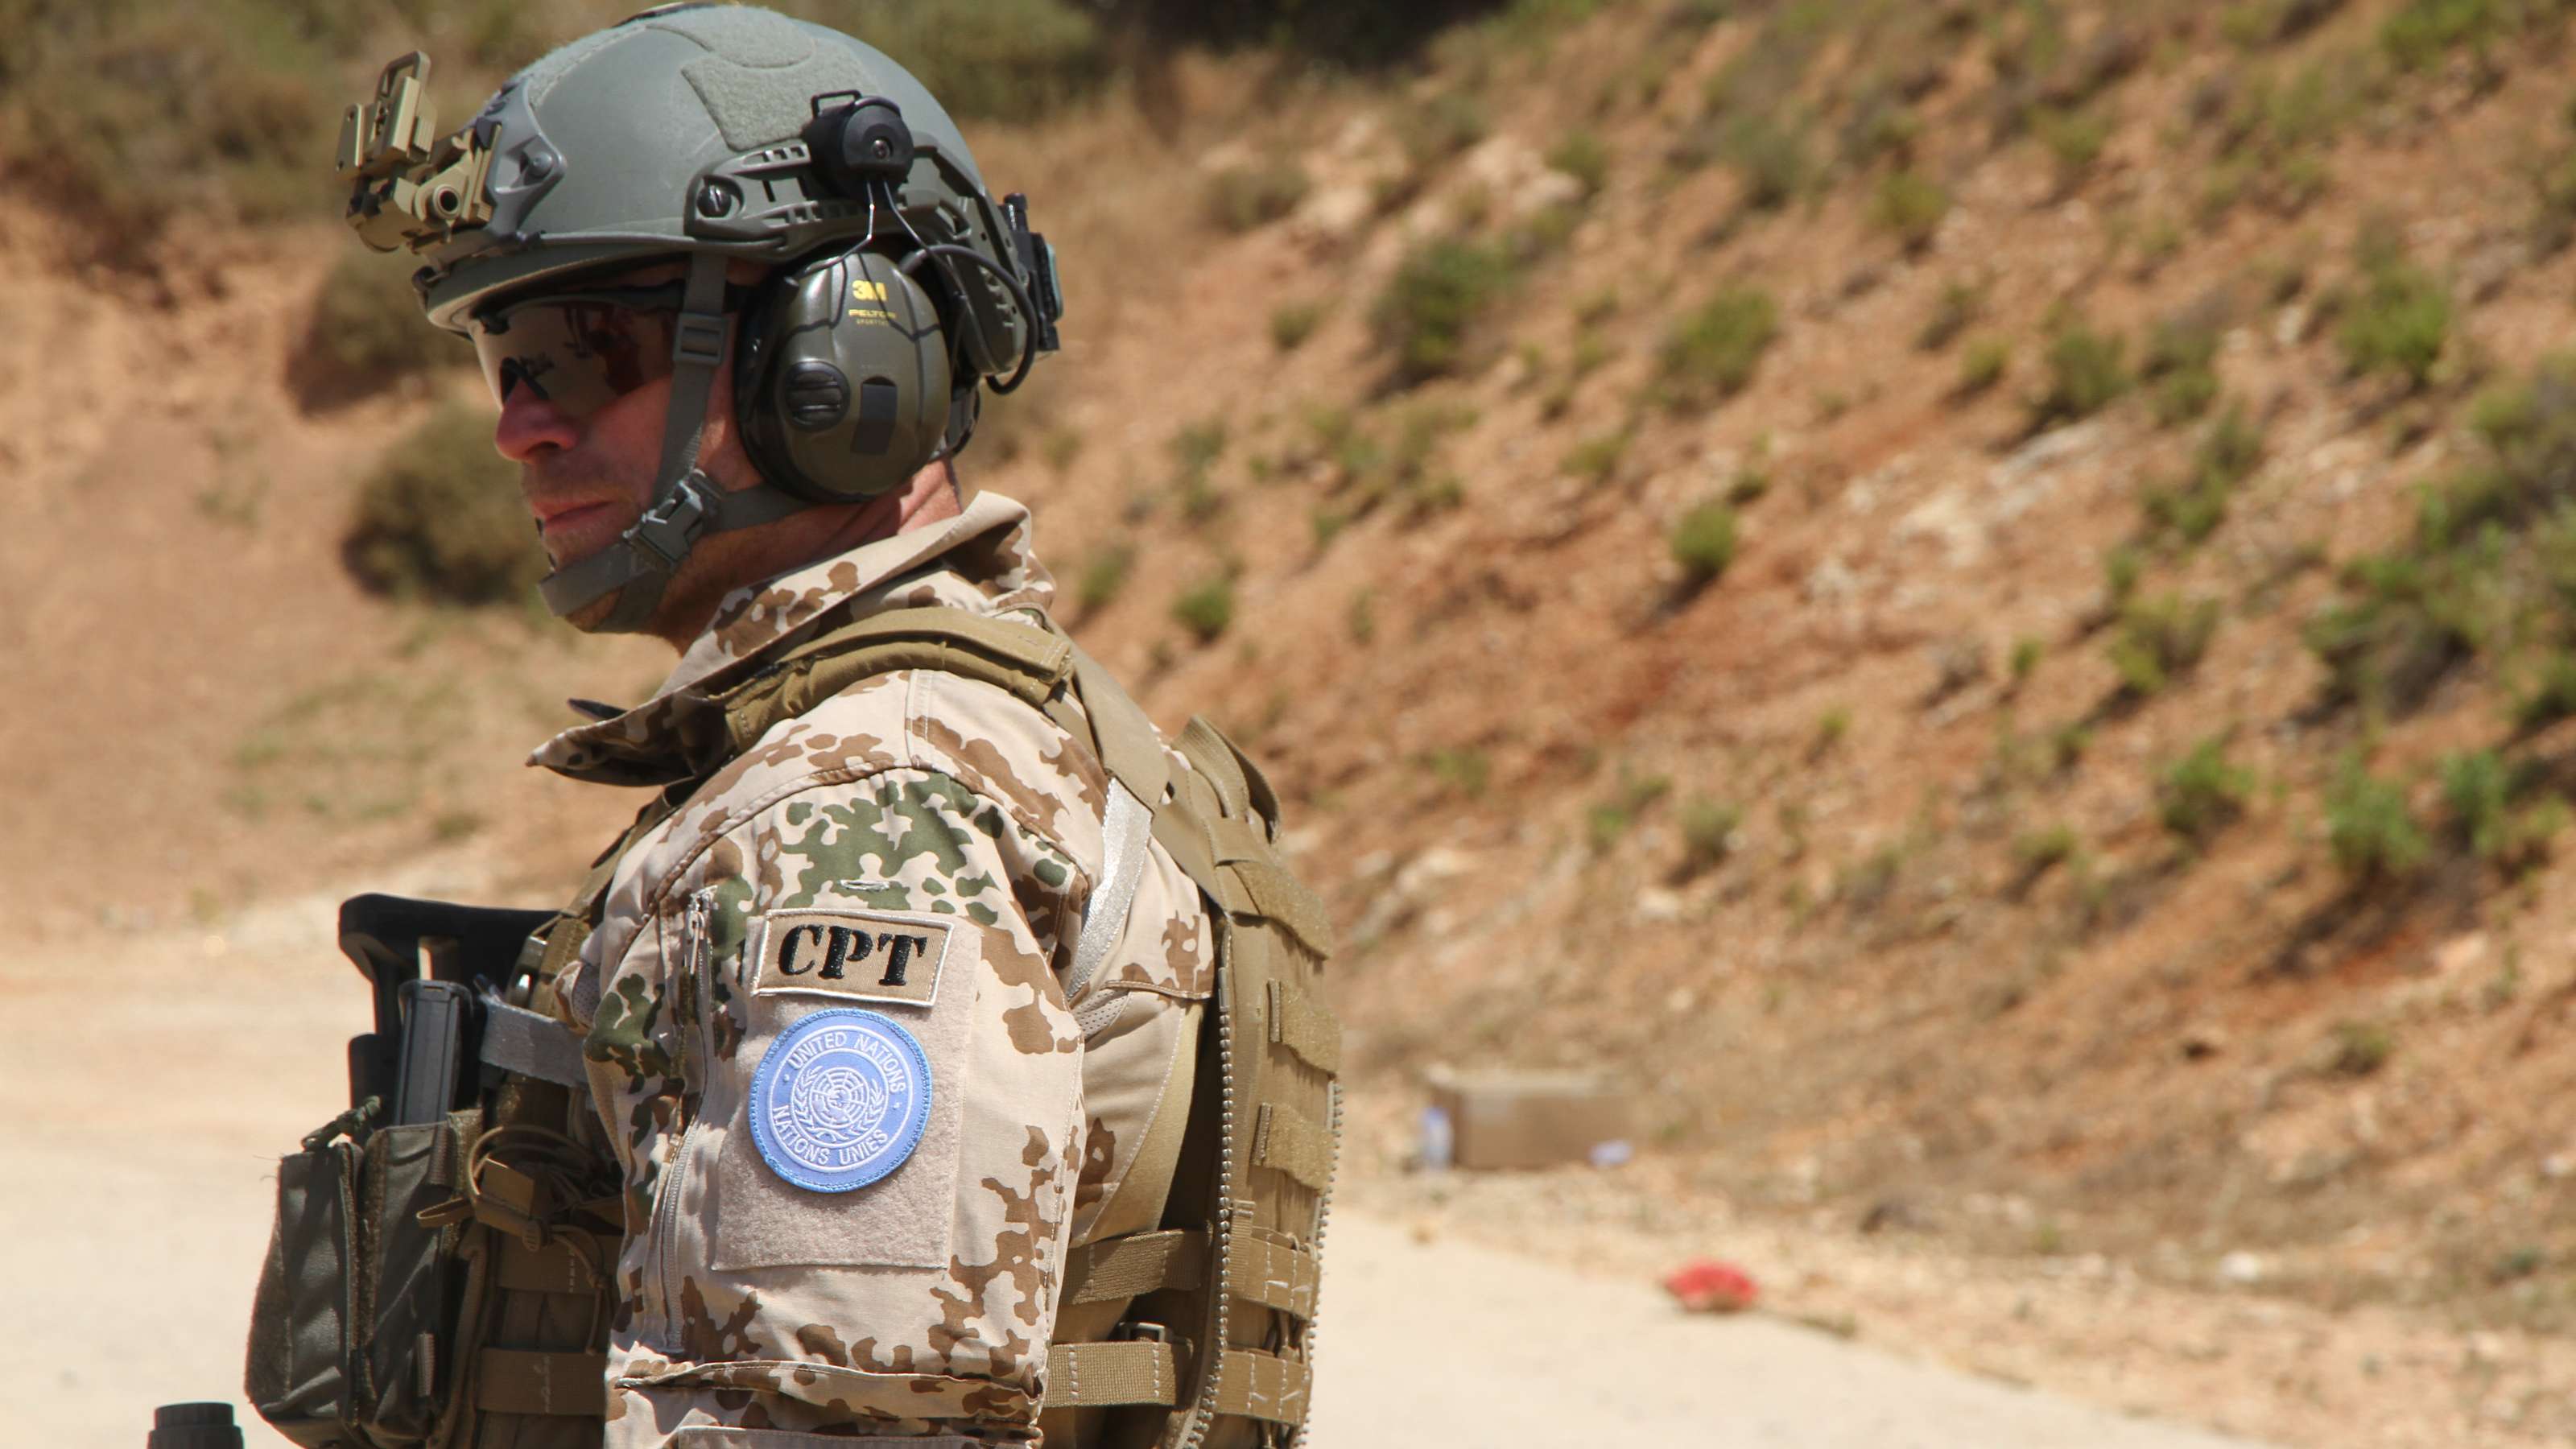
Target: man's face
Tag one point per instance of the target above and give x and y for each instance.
(588, 471)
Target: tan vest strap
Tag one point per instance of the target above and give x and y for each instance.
(1021, 658)
(1262, 1386)
(1122, 733)
(1273, 1270)
(526, 1381)
(1026, 647)
(1184, 837)
(1135, 1265)
(1286, 1139)
(1208, 753)
(1302, 1025)
(1136, 1371)
(1280, 899)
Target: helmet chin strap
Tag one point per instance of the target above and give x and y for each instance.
(687, 504)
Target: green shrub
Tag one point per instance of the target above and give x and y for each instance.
(1960, 304)
(1003, 60)
(1579, 153)
(1606, 822)
(2202, 793)
(1879, 126)
(2551, 696)
(2074, 139)
(2370, 827)
(441, 517)
(1595, 460)
(2361, 1048)
(1199, 446)
(2529, 432)
(2396, 635)
(1206, 608)
(2122, 566)
(128, 116)
(1403, 472)
(2255, 23)
(1461, 771)
(2193, 508)
(2553, 209)
(2478, 789)
(1983, 364)
(1240, 198)
(1708, 833)
(2038, 850)
(366, 329)
(1771, 157)
(1543, 232)
(1431, 306)
(1196, 450)
(1909, 205)
(2087, 372)
(2182, 364)
(2026, 654)
(1712, 352)
(1291, 323)
(2421, 32)
(2160, 639)
(1442, 126)
(2401, 319)
(1104, 576)
(1703, 543)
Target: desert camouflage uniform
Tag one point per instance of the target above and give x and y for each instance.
(919, 1307)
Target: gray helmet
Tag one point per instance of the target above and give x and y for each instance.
(707, 133)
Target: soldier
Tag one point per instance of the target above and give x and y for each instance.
(903, 1033)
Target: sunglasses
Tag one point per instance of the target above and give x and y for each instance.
(581, 350)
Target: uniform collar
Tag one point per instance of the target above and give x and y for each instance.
(979, 561)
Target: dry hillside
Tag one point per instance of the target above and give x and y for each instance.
(1975, 597)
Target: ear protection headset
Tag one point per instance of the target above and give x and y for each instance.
(854, 365)
(857, 366)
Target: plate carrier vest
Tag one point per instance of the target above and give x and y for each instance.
(449, 1286)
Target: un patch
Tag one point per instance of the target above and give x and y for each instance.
(840, 1100)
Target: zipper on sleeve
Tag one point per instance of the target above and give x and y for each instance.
(696, 1041)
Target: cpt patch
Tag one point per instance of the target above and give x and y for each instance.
(889, 956)
(839, 1100)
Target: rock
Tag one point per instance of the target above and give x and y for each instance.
(2460, 952)
(2241, 1269)
(1829, 580)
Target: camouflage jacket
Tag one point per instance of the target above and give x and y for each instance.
(827, 1032)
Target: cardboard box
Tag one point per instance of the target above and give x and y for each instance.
(1529, 1119)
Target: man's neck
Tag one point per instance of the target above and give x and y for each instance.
(806, 538)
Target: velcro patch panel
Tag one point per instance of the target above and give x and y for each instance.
(889, 956)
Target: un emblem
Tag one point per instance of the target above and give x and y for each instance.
(839, 1100)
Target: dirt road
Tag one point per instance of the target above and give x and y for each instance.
(153, 1076)
(1525, 1353)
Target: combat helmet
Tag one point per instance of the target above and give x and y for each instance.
(709, 134)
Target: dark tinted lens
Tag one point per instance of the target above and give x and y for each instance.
(576, 354)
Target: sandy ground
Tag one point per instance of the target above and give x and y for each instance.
(1518, 1352)
(156, 1076)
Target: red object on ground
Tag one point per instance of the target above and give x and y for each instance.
(1705, 1285)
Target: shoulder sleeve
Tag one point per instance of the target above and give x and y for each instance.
(855, 1185)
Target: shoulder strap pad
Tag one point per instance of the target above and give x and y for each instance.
(1025, 659)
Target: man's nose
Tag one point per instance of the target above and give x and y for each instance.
(529, 424)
